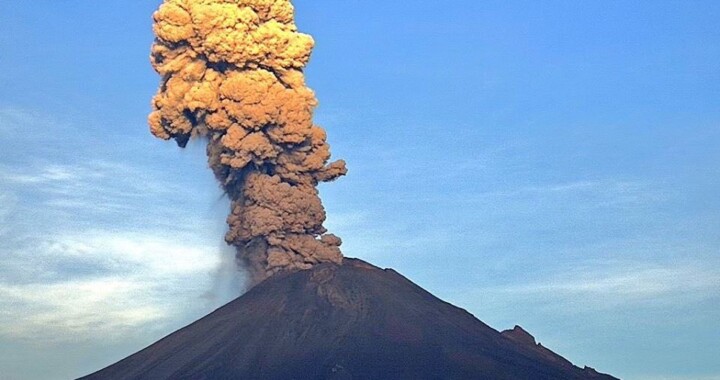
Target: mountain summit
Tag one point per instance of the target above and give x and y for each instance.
(349, 321)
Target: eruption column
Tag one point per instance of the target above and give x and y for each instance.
(232, 73)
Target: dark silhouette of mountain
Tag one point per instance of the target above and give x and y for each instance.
(350, 321)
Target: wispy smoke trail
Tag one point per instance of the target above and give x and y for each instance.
(232, 72)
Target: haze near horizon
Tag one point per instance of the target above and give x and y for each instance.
(550, 166)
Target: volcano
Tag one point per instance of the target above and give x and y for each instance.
(348, 321)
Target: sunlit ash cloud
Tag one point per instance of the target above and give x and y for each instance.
(232, 74)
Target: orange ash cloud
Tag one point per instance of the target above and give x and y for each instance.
(232, 73)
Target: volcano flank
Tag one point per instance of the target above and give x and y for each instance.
(348, 321)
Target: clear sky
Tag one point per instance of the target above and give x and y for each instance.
(549, 164)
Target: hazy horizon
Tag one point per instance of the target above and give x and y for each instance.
(552, 166)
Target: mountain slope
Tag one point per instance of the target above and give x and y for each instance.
(350, 321)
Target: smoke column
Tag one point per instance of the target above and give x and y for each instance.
(232, 73)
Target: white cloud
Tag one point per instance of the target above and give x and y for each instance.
(21, 122)
(621, 284)
(49, 174)
(99, 176)
(158, 255)
(149, 276)
(117, 194)
(599, 192)
(95, 245)
(76, 309)
(585, 195)
(678, 377)
(7, 202)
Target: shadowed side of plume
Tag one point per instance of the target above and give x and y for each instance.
(350, 321)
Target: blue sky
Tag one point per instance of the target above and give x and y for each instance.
(552, 165)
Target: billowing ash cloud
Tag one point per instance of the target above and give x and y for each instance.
(232, 73)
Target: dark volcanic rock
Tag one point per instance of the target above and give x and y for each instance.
(353, 321)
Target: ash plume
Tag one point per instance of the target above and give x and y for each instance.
(232, 73)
